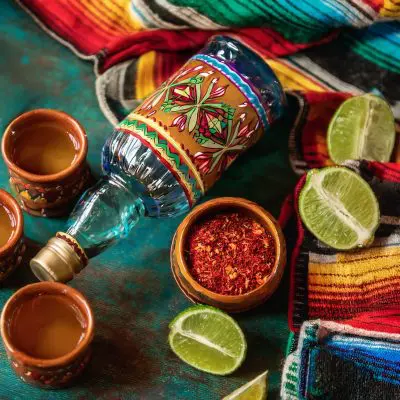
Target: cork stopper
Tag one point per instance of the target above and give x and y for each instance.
(59, 260)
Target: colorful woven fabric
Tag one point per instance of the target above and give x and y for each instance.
(307, 144)
(360, 289)
(339, 361)
(323, 51)
(137, 44)
(334, 285)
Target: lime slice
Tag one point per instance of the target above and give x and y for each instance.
(208, 339)
(362, 128)
(339, 208)
(254, 390)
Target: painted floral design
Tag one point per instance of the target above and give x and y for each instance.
(196, 109)
(168, 85)
(200, 111)
(224, 153)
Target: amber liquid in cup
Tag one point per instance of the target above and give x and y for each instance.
(47, 326)
(7, 225)
(44, 148)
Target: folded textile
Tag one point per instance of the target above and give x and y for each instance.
(307, 143)
(340, 361)
(137, 44)
(335, 285)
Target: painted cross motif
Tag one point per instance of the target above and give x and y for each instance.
(201, 112)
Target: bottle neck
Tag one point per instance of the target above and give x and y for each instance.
(105, 213)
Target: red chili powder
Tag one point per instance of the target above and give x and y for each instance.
(230, 253)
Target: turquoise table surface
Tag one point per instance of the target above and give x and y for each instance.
(130, 287)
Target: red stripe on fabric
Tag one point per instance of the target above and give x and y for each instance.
(376, 5)
(385, 171)
(286, 211)
(68, 25)
(332, 296)
(383, 320)
(329, 311)
(108, 28)
(135, 44)
(321, 107)
(265, 41)
(375, 328)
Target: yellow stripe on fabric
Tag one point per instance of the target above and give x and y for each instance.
(292, 79)
(122, 11)
(366, 290)
(391, 8)
(352, 280)
(368, 252)
(359, 255)
(144, 83)
(113, 12)
(355, 271)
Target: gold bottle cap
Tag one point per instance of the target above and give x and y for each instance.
(58, 260)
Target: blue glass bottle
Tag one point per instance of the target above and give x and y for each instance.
(137, 177)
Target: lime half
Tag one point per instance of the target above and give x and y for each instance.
(362, 128)
(254, 390)
(339, 208)
(208, 339)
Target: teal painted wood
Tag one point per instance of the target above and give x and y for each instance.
(131, 287)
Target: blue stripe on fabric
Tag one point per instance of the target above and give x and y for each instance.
(380, 357)
(384, 37)
(237, 79)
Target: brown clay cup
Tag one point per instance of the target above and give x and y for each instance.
(11, 253)
(48, 373)
(47, 195)
(197, 293)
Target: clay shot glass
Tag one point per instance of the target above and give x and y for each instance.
(20, 330)
(12, 251)
(199, 294)
(45, 152)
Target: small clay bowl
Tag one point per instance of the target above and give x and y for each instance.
(11, 253)
(47, 195)
(48, 373)
(197, 293)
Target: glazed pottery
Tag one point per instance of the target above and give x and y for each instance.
(197, 293)
(11, 253)
(47, 195)
(48, 373)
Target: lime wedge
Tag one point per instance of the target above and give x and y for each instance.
(339, 208)
(208, 339)
(254, 390)
(362, 128)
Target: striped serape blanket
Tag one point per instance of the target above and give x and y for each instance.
(360, 289)
(357, 359)
(323, 51)
(332, 285)
(348, 46)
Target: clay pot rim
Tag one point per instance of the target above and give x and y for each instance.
(78, 131)
(13, 206)
(262, 216)
(48, 288)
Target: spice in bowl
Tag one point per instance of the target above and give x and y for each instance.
(230, 253)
